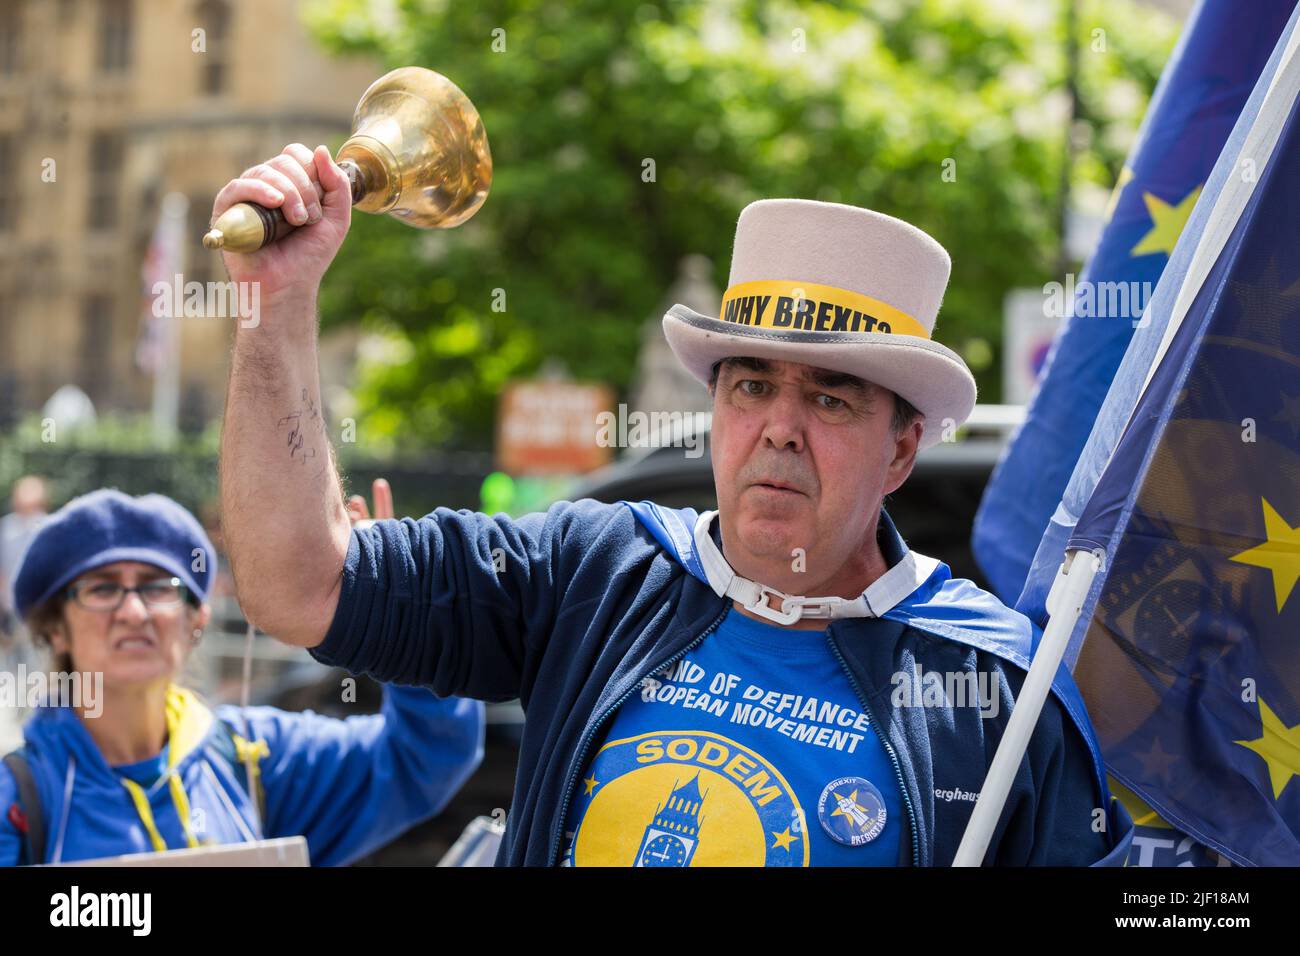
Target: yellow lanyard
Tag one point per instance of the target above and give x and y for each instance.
(179, 733)
(179, 799)
(250, 753)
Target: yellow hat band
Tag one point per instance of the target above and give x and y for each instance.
(809, 307)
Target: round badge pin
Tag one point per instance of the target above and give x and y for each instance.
(852, 811)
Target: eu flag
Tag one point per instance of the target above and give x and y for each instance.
(1198, 99)
(1190, 639)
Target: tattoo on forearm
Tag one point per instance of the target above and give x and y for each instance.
(306, 416)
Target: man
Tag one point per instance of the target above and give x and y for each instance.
(683, 706)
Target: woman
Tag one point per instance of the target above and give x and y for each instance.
(116, 586)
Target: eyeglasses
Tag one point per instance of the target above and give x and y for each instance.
(108, 595)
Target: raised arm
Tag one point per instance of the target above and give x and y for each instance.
(350, 786)
(282, 504)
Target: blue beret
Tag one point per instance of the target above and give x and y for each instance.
(106, 526)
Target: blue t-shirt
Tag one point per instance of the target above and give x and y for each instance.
(144, 772)
(752, 750)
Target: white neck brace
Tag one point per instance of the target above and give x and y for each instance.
(881, 596)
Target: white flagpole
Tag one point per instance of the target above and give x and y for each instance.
(167, 376)
(1064, 603)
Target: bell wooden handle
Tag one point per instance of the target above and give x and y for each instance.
(248, 226)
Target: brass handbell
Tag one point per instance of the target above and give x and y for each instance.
(418, 151)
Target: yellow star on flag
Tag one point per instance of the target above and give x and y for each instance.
(1125, 177)
(783, 839)
(1279, 746)
(1168, 223)
(592, 783)
(1280, 553)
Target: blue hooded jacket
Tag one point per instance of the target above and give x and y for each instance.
(570, 609)
(348, 786)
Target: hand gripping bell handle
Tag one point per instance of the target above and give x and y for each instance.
(249, 226)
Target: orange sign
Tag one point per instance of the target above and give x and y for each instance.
(547, 427)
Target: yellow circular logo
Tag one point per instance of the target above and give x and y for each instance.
(687, 798)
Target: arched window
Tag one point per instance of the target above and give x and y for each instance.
(107, 150)
(214, 19)
(114, 35)
(11, 28)
(8, 182)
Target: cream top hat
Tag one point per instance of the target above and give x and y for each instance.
(841, 288)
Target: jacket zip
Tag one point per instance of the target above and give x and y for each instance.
(889, 748)
(585, 743)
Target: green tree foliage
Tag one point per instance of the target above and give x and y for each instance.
(866, 103)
